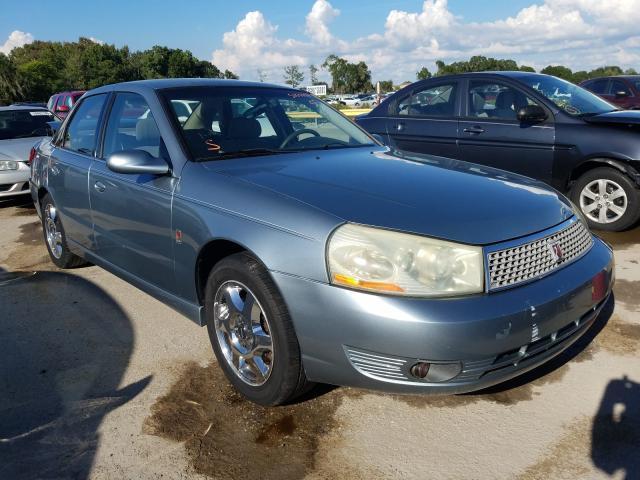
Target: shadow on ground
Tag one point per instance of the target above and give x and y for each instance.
(615, 435)
(65, 347)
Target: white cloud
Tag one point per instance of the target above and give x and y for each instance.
(318, 19)
(96, 40)
(16, 39)
(581, 34)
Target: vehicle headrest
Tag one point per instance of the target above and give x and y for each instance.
(505, 99)
(146, 129)
(478, 101)
(244, 128)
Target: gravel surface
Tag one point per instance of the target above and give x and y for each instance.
(99, 380)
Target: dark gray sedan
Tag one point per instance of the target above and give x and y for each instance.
(310, 252)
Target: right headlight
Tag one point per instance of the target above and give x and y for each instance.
(8, 165)
(378, 260)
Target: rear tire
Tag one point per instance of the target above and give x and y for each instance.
(234, 336)
(608, 199)
(54, 237)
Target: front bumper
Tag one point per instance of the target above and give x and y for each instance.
(483, 334)
(15, 182)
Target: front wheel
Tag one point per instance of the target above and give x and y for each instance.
(55, 238)
(608, 199)
(251, 332)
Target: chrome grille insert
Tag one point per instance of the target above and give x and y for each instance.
(378, 366)
(532, 260)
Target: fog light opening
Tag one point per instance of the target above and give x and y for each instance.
(420, 369)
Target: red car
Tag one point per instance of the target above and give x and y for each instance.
(622, 90)
(60, 103)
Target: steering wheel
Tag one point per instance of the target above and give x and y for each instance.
(296, 134)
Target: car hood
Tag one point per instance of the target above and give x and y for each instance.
(18, 148)
(627, 117)
(432, 196)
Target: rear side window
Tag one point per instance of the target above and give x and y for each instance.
(131, 126)
(438, 101)
(82, 132)
(618, 86)
(598, 86)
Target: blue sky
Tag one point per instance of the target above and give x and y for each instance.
(394, 44)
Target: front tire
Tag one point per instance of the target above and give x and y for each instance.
(251, 332)
(54, 237)
(608, 199)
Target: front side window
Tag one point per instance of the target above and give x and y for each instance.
(82, 132)
(496, 100)
(618, 87)
(574, 100)
(131, 126)
(226, 122)
(598, 86)
(24, 123)
(438, 101)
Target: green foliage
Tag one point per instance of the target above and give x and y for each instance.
(423, 74)
(477, 63)
(293, 75)
(558, 71)
(386, 86)
(348, 77)
(39, 69)
(313, 74)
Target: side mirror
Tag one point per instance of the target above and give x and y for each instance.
(62, 108)
(621, 94)
(137, 161)
(532, 114)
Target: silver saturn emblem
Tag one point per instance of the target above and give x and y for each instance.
(556, 251)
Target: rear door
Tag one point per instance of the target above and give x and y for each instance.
(620, 94)
(425, 120)
(69, 166)
(132, 212)
(490, 133)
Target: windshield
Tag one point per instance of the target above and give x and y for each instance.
(224, 122)
(571, 98)
(24, 123)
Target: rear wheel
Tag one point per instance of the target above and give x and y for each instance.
(608, 199)
(251, 332)
(54, 237)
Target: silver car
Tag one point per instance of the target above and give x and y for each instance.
(311, 252)
(21, 127)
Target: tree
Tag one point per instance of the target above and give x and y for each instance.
(348, 77)
(262, 75)
(386, 86)
(476, 63)
(559, 71)
(423, 74)
(229, 75)
(527, 68)
(313, 74)
(293, 76)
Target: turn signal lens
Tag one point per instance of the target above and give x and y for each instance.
(32, 155)
(354, 282)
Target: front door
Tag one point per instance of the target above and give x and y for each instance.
(425, 121)
(70, 162)
(491, 134)
(132, 212)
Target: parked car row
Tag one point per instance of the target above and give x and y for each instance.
(317, 254)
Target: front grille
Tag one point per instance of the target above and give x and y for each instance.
(6, 187)
(531, 260)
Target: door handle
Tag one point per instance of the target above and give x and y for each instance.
(400, 126)
(474, 130)
(99, 186)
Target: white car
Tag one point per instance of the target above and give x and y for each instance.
(21, 127)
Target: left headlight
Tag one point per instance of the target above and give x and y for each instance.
(378, 260)
(8, 165)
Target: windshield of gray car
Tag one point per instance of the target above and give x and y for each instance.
(228, 122)
(24, 123)
(574, 100)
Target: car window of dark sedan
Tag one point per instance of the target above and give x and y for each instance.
(227, 122)
(438, 101)
(496, 100)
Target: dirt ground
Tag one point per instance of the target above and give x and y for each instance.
(100, 381)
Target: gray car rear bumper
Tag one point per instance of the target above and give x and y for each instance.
(485, 334)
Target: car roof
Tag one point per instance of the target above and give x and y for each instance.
(21, 107)
(163, 83)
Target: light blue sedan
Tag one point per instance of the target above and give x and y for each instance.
(311, 252)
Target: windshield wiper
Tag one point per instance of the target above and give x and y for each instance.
(246, 152)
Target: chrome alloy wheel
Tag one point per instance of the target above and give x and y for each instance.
(54, 237)
(603, 201)
(243, 333)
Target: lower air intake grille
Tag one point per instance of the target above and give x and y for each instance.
(378, 366)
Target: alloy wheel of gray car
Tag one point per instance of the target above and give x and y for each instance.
(243, 333)
(251, 332)
(54, 237)
(608, 199)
